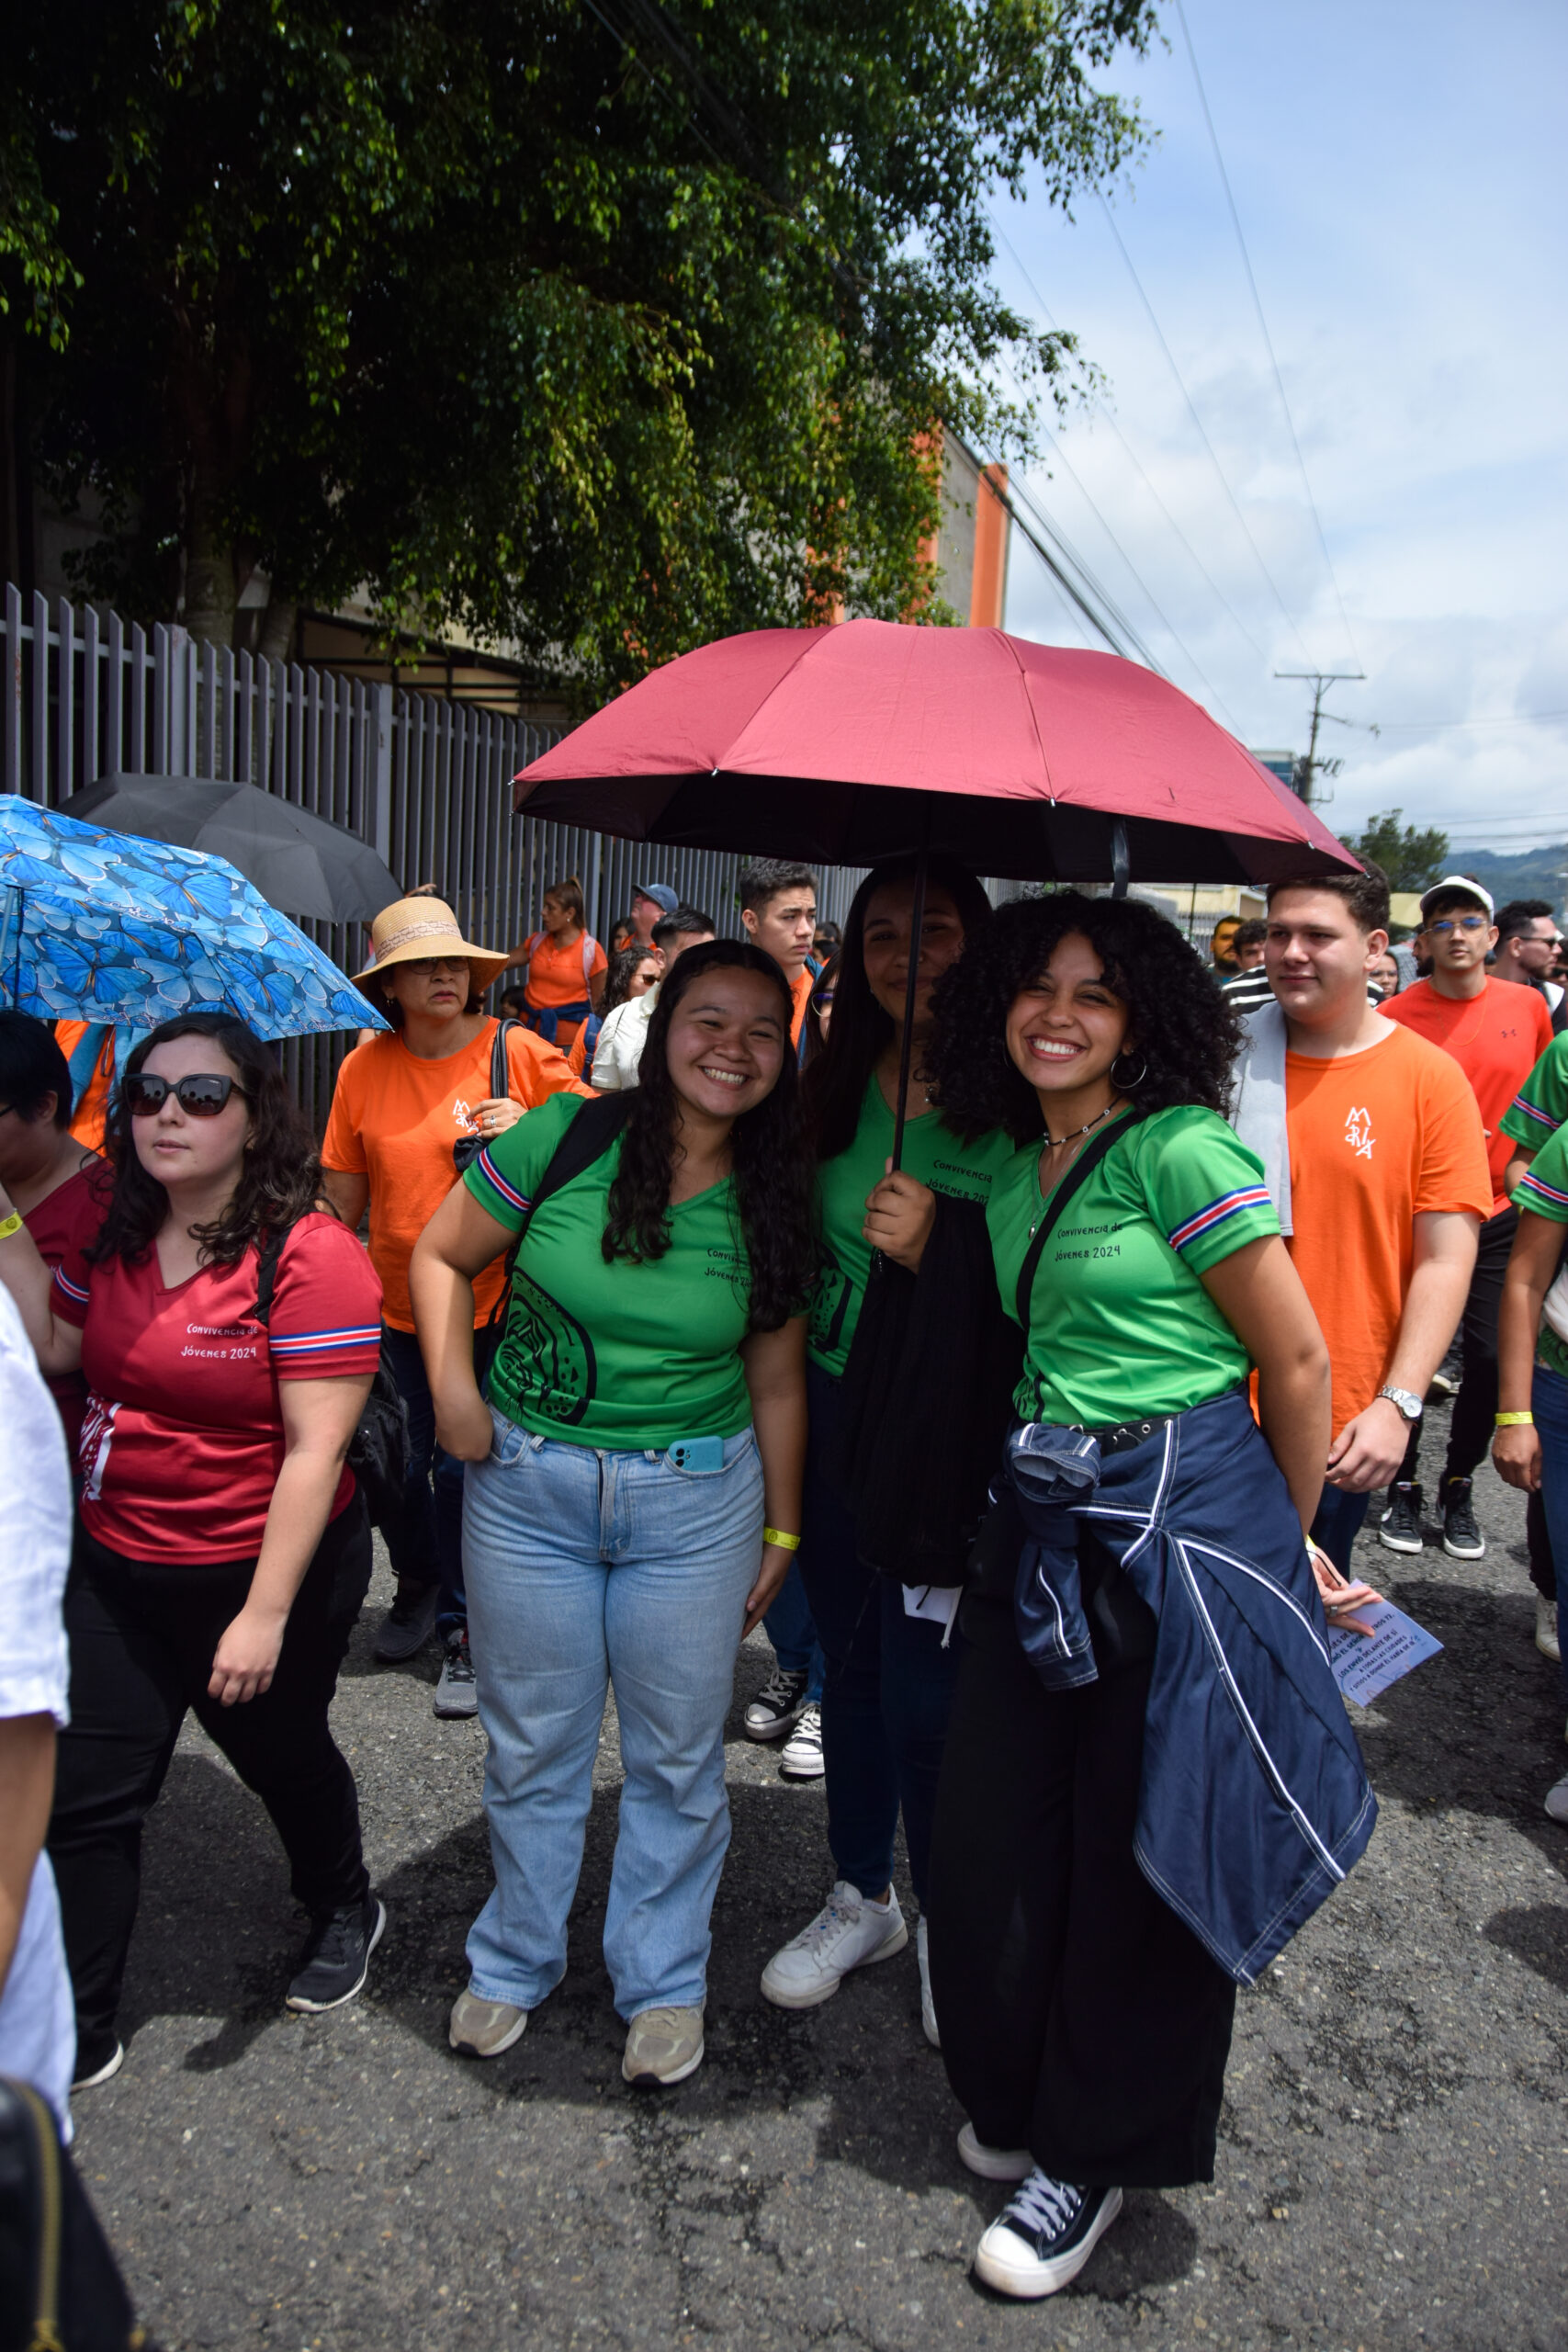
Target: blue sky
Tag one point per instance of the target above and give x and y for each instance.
(1393, 166)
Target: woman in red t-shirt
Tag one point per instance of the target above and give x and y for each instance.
(222, 1549)
(564, 982)
(55, 1184)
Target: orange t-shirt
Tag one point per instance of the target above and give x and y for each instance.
(800, 989)
(1375, 1138)
(559, 975)
(1496, 1038)
(89, 1115)
(395, 1118)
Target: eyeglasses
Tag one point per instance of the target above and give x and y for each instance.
(201, 1096)
(1464, 923)
(428, 967)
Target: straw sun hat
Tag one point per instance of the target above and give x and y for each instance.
(411, 929)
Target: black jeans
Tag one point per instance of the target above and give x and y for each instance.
(1469, 1431)
(427, 1544)
(142, 1635)
(1081, 2018)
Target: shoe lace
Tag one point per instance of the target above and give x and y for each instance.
(459, 1667)
(335, 1937)
(809, 1727)
(830, 1923)
(779, 1690)
(1045, 2205)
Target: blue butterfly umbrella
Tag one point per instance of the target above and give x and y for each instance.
(108, 927)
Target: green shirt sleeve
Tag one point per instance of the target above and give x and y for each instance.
(1204, 1188)
(1543, 1187)
(503, 1176)
(1541, 1107)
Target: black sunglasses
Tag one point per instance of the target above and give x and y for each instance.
(201, 1096)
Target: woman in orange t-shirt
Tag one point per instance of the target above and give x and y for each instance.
(566, 968)
(403, 1102)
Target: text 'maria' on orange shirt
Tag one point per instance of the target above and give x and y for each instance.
(1376, 1139)
(395, 1118)
(1496, 1038)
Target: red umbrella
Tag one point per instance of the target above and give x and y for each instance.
(849, 745)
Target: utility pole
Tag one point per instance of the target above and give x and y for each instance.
(1312, 766)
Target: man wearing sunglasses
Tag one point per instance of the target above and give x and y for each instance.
(1496, 1031)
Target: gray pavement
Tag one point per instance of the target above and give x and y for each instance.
(1394, 2153)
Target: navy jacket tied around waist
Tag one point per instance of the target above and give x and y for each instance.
(1255, 1802)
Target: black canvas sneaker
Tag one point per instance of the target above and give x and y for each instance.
(336, 1957)
(1400, 1529)
(1043, 2238)
(778, 1704)
(1462, 1540)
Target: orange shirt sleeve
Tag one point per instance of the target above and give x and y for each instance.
(1454, 1170)
(801, 991)
(342, 1146)
(538, 1070)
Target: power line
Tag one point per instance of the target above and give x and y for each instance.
(1263, 327)
(1502, 718)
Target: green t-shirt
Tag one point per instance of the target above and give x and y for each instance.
(1541, 1104)
(622, 1356)
(934, 1155)
(1120, 1325)
(1543, 1188)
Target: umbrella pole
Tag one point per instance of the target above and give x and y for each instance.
(1120, 866)
(912, 990)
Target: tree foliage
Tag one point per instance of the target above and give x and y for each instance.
(603, 326)
(1412, 860)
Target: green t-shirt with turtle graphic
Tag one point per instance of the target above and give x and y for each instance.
(932, 1154)
(625, 1356)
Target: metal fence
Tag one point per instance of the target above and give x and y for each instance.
(427, 782)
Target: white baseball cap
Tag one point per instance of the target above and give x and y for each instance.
(1461, 882)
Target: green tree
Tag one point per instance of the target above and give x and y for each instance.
(1412, 860)
(605, 329)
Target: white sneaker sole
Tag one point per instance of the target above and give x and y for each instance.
(1021, 2275)
(993, 2163)
(649, 2081)
(1401, 1543)
(318, 2009)
(788, 1771)
(1465, 1551)
(105, 2074)
(771, 1731)
(788, 1997)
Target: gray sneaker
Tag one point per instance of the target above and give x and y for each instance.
(663, 2046)
(479, 2028)
(456, 1693)
(407, 1625)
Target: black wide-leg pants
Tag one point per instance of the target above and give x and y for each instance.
(1081, 2018)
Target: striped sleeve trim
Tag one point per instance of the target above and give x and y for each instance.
(1554, 1196)
(508, 1192)
(1229, 1205)
(75, 1292)
(1528, 1110)
(335, 1343)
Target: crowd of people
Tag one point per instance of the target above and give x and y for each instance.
(1012, 1316)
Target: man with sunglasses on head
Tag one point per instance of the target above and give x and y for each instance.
(1496, 1031)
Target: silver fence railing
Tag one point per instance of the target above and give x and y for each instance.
(425, 781)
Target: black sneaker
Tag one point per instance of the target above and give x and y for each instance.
(1401, 1525)
(456, 1693)
(336, 1957)
(99, 2064)
(1043, 2238)
(1462, 1540)
(408, 1624)
(778, 1704)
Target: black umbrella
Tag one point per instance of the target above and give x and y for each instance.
(300, 863)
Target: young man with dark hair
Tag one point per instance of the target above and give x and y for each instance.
(1249, 988)
(1221, 947)
(1380, 1176)
(1497, 1032)
(1528, 945)
(778, 908)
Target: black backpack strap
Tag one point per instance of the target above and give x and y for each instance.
(267, 1257)
(1077, 1174)
(500, 1060)
(590, 1135)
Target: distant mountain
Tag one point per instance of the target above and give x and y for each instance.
(1531, 874)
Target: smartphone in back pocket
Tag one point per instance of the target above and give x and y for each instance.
(698, 1453)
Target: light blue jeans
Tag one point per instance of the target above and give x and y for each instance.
(585, 1568)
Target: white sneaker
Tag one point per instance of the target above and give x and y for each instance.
(1545, 1639)
(1556, 1806)
(993, 2163)
(927, 2006)
(801, 1756)
(848, 1932)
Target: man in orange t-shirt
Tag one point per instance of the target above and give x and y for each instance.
(1495, 1032)
(778, 909)
(1388, 1182)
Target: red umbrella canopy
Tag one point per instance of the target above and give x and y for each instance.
(866, 740)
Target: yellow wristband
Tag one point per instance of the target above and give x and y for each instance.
(13, 1224)
(776, 1536)
(1500, 1420)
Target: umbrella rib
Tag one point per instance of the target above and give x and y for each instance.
(1029, 704)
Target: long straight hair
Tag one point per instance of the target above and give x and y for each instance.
(860, 1031)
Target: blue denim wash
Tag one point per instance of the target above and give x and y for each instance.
(587, 1568)
(1341, 1518)
(427, 1547)
(1549, 1403)
(791, 1630)
(888, 1689)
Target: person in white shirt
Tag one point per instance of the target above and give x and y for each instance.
(38, 2015)
(618, 1053)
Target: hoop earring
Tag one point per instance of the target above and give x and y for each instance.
(1125, 1085)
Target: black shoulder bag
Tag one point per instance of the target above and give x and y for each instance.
(379, 1451)
(466, 1149)
(59, 2285)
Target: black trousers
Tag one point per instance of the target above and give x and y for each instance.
(142, 1635)
(1470, 1430)
(1081, 2018)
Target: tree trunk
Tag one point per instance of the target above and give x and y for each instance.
(277, 638)
(209, 571)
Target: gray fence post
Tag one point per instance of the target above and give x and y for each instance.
(377, 826)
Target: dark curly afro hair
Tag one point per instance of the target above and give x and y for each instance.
(1186, 1036)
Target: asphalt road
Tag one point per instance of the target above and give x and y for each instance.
(1394, 2154)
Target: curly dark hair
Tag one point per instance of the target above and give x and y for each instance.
(281, 1177)
(625, 966)
(860, 1031)
(1185, 1033)
(773, 1187)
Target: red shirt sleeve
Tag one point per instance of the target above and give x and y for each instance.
(73, 1281)
(326, 1306)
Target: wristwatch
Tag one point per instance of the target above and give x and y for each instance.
(1408, 1405)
